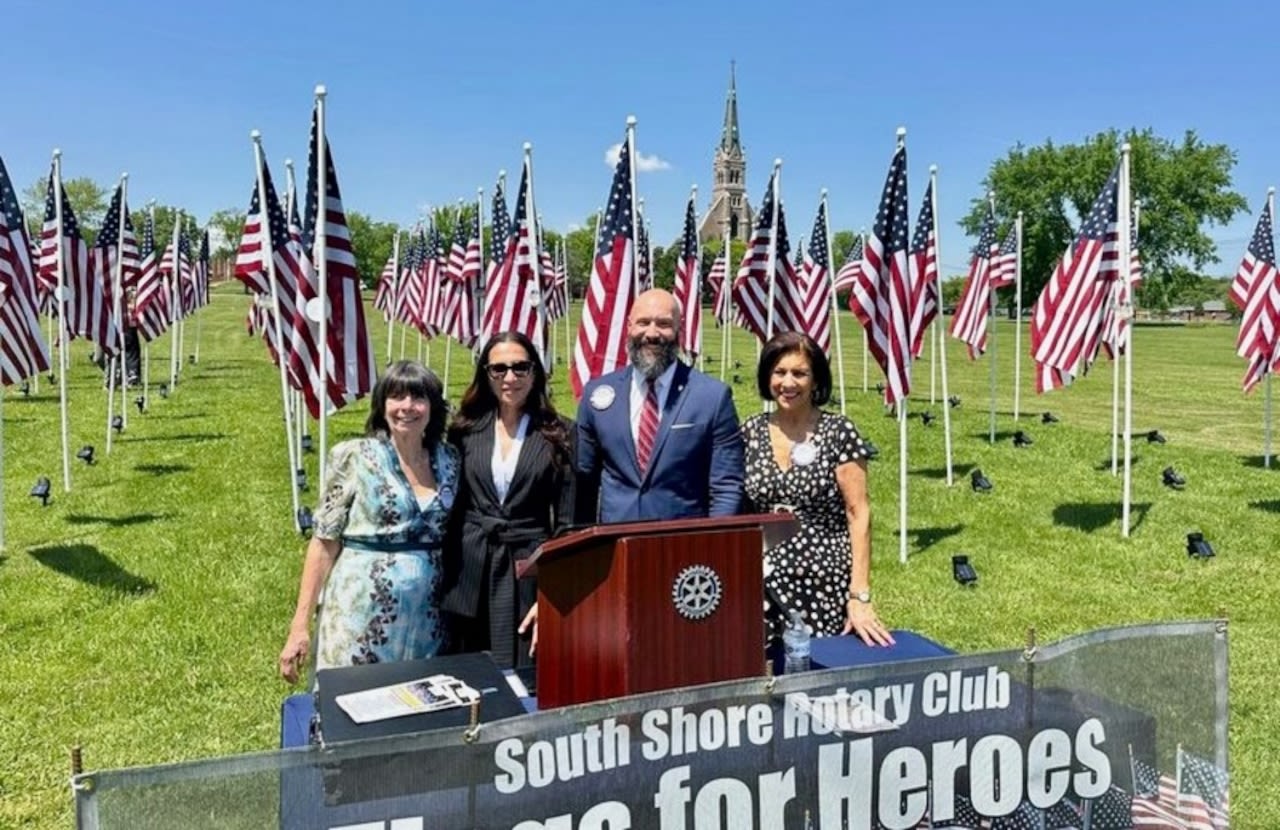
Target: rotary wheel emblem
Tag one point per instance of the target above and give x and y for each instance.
(696, 592)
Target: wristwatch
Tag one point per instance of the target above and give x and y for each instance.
(863, 597)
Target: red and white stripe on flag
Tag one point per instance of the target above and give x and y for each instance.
(513, 297)
(688, 283)
(23, 352)
(881, 296)
(925, 299)
(601, 346)
(815, 277)
(969, 324)
(755, 286)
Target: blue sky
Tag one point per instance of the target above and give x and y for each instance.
(428, 100)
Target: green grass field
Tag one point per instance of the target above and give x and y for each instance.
(141, 614)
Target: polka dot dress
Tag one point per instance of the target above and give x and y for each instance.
(810, 571)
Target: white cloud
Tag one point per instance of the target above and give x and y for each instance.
(644, 164)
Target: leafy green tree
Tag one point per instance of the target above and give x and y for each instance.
(372, 243)
(88, 199)
(225, 227)
(1182, 186)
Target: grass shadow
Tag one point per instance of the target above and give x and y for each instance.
(1258, 462)
(1091, 516)
(184, 437)
(163, 469)
(91, 566)
(1104, 466)
(927, 537)
(1002, 435)
(940, 473)
(185, 416)
(116, 521)
(1270, 505)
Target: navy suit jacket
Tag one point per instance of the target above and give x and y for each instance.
(696, 468)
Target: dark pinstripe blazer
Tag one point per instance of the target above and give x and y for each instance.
(539, 500)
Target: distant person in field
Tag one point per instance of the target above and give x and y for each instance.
(813, 464)
(658, 439)
(374, 560)
(516, 491)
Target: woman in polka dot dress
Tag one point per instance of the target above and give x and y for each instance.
(814, 464)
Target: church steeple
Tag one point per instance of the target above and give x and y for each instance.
(729, 139)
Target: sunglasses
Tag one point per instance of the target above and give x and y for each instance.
(498, 371)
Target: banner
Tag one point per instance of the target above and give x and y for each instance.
(1090, 732)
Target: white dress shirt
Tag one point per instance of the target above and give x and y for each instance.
(504, 469)
(640, 389)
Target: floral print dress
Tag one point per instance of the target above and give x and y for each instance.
(381, 601)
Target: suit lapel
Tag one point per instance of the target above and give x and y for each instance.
(480, 444)
(530, 451)
(670, 412)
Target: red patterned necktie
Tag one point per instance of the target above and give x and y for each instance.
(648, 427)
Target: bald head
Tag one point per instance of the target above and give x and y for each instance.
(656, 303)
(652, 328)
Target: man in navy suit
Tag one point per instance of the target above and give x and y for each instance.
(657, 440)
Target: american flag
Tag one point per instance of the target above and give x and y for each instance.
(1256, 292)
(717, 283)
(464, 277)
(688, 286)
(23, 352)
(925, 299)
(970, 321)
(104, 255)
(202, 271)
(384, 296)
(512, 300)
(1202, 793)
(499, 232)
(296, 337)
(645, 259)
(187, 287)
(178, 276)
(88, 308)
(348, 356)
(1066, 321)
(433, 267)
(558, 300)
(881, 298)
(601, 346)
(1004, 263)
(408, 302)
(151, 301)
(815, 270)
(751, 288)
(848, 273)
(1155, 798)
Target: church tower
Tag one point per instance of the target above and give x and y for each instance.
(729, 207)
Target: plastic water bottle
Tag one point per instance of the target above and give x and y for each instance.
(795, 645)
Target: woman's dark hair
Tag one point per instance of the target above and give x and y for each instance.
(479, 400)
(793, 342)
(408, 377)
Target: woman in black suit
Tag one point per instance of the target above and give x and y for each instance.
(516, 490)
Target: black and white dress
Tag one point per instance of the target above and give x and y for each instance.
(809, 572)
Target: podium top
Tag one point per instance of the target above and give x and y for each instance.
(771, 523)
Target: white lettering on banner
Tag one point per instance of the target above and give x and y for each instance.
(1048, 768)
(953, 692)
(608, 815)
(904, 785)
(1095, 779)
(723, 802)
(596, 748)
(862, 710)
(675, 732)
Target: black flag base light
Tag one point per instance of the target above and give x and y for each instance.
(1021, 439)
(117, 423)
(980, 483)
(300, 477)
(954, 400)
(928, 418)
(306, 522)
(879, 388)
(25, 389)
(1172, 479)
(164, 390)
(306, 443)
(1154, 437)
(191, 359)
(141, 403)
(1197, 546)
(871, 450)
(41, 491)
(1048, 418)
(963, 571)
(53, 378)
(85, 453)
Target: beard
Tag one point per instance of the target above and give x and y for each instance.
(649, 364)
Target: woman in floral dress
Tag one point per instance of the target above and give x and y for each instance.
(373, 562)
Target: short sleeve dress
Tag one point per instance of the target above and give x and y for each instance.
(381, 600)
(809, 572)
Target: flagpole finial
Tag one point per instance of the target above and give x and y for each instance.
(693, 190)
(1271, 190)
(57, 153)
(777, 163)
(479, 191)
(151, 203)
(528, 146)
(321, 91)
(255, 136)
(288, 163)
(902, 134)
(1126, 147)
(933, 170)
(823, 193)
(631, 120)
(124, 177)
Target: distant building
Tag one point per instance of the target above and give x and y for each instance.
(729, 208)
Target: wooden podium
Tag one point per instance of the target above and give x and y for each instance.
(637, 607)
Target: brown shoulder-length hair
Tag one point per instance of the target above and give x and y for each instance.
(792, 342)
(408, 377)
(479, 400)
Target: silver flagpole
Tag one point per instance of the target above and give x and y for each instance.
(773, 247)
(1122, 208)
(117, 280)
(146, 348)
(268, 255)
(540, 342)
(866, 349)
(63, 335)
(726, 290)
(942, 338)
(902, 430)
(1266, 403)
(395, 291)
(991, 325)
(175, 297)
(1017, 329)
(321, 246)
(477, 295)
(835, 304)
(635, 214)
